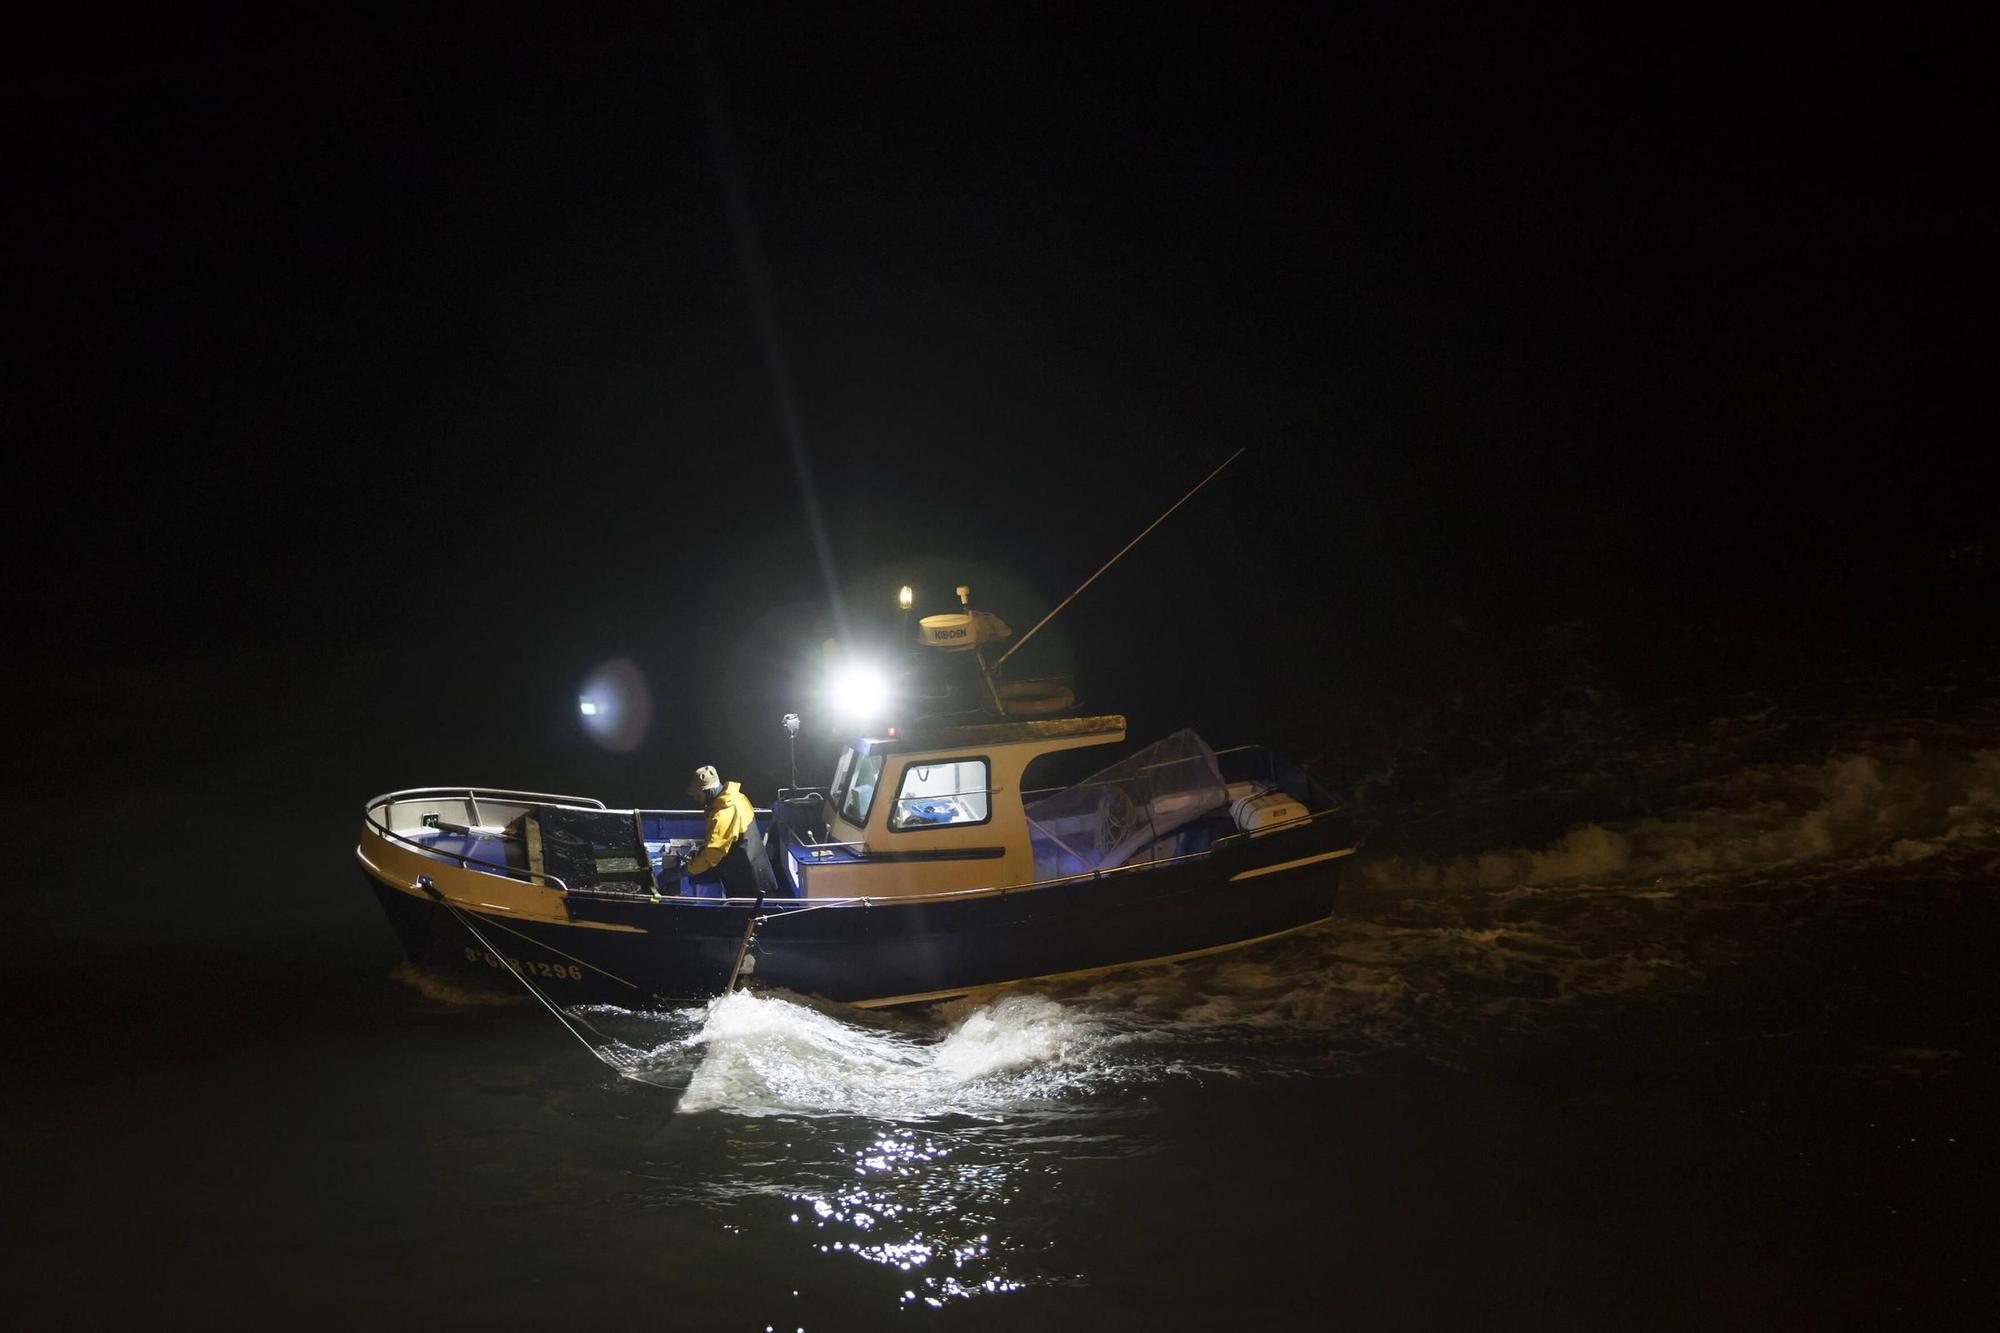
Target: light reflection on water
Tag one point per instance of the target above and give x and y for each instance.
(932, 1150)
(914, 1209)
(932, 1215)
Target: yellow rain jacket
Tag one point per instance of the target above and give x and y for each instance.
(729, 815)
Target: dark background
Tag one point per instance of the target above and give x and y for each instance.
(1615, 396)
(378, 377)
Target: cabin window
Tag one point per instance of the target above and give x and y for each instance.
(837, 789)
(860, 796)
(949, 791)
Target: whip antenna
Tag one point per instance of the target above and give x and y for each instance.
(1020, 642)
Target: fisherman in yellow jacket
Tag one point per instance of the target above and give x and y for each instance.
(732, 855)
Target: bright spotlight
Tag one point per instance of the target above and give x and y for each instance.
(588, 708)
(905, 596)
(859, 692)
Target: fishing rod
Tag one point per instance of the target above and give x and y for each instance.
(1022, 641)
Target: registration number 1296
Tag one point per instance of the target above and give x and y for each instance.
(526, 967)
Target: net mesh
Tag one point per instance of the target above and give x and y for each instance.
(1127, 812)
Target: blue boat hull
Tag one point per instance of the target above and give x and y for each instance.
(637, 952)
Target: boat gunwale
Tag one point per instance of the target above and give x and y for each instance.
(517, 874)
(550, 800)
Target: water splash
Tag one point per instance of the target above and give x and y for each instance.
(923, 1129)
(769, 1055)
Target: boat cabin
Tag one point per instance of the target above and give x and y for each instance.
(945, 809)
(933, 809)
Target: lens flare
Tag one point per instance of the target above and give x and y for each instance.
(615, 705)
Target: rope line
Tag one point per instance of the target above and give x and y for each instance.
(613, 1053)
(581, 962)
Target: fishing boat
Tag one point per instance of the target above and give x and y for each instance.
(924, 870)
(932, 865)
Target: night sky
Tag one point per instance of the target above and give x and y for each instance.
(374, 378)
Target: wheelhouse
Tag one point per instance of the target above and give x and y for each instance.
(934, 810)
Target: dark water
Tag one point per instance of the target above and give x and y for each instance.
(1630, 1018)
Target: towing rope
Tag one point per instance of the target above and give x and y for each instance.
(612, 1052)
(580, 962)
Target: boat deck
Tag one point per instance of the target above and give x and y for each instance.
(498, 853)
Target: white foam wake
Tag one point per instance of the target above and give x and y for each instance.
(766, 1055)
(1898, 806)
